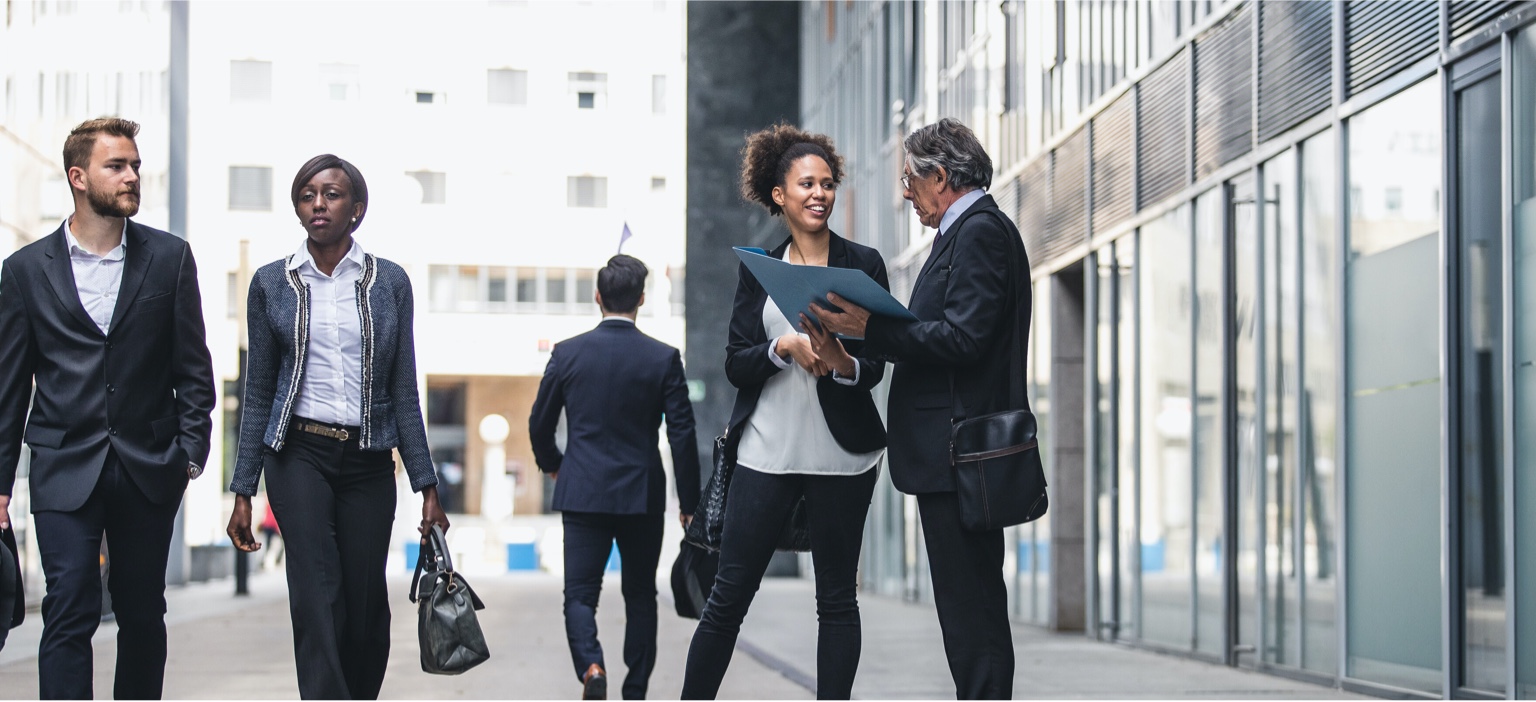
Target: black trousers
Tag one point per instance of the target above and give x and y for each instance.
(589, 538)
(336, 505)
(971, 598)
(138, 534)
(757, 507)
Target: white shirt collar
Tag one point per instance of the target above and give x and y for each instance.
(116, 254)
(621, 318)
(959, 208)
(297, 261)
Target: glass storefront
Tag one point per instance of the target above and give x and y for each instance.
(1393, 387)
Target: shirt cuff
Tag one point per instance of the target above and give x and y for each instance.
(840, 380)
(773, 355)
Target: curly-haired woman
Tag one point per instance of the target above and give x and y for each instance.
(804, 424)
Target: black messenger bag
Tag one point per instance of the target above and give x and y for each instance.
(449, 631)
(999, 478)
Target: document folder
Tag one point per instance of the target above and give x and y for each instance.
(793, 288)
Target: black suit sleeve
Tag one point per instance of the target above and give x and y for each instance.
(746, 354)
(191, 364)
(680, 435)
(871, 370)
(18, 360)
(546, 416)
(975, 298)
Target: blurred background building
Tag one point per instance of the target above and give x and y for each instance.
(1279, 251)
(507, 159)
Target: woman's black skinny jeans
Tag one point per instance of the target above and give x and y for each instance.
(756, 509)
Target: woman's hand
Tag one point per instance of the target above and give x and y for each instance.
(797, 347)
(432, 512)
(828, 348)
(239, 529)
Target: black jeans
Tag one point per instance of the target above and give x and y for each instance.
(971, 599)
(335, 504)
(757, 508)
(138, 536)
(589, 538)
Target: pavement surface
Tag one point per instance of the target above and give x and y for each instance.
(223, 647)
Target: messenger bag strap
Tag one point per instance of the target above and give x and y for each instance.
(1016, 398)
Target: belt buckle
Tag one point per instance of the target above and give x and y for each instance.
(342, 434)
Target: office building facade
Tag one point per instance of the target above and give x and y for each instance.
(1280, 253)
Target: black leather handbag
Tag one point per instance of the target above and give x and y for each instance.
(693, 577)
(451, 640)
(709, 520)
(999, 478)
(13, 605)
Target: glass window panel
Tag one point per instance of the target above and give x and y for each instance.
(554, 287)
(441, 281)
(496, 288)
(467, 289)
(250, 188)
(434, 186)
(506, 86)
(527, 286)
(250, 81)
(1393, 375)
(1105, 445)
(1480, 448)
(1166, 458)
(586, 285)
(1037, 557)
(1319, 418)
(1524, 160)
(1278, 493)
(1208, 427)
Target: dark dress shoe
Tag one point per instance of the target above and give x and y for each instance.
(594, 684)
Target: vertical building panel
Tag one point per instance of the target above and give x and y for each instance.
(1163, 123)
(1112, 201)
(1295, 63)
(1068, 215)
(1224, 92)
(1386, 36)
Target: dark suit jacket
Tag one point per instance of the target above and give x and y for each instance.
(966, 297)
(615, 385)
(850, 411)
(144, 390)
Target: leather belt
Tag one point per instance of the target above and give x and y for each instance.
(328, 431)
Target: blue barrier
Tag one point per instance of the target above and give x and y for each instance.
(524, 556)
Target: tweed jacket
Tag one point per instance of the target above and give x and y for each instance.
(277, 316)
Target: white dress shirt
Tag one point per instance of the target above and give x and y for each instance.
(97, 278)
(788, 430)
(332, 389)
(959, 208)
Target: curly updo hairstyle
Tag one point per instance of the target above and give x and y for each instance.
(766, 159)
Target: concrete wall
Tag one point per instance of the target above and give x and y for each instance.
(743, 75)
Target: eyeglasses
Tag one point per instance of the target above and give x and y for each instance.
(906, 181)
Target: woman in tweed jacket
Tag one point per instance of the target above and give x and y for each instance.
(330, 391)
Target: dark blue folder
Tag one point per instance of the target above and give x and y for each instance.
(793, 288)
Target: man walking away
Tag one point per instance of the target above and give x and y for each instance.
(615, 385)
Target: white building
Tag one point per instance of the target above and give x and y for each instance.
(506, 146)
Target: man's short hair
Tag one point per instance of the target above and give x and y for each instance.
(950, 144)
(82, 139)
(621, 283)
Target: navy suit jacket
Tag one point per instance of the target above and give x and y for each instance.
(967, 296)
(144, 390)
(615, 385)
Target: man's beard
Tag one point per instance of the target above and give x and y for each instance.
(111, 204)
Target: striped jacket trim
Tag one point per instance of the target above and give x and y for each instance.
(301, 350)
(365, 324)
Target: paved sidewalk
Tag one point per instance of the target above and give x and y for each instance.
(224, 647)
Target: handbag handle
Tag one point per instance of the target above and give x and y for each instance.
(1016, 398)
(442, 561)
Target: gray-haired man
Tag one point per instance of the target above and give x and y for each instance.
(967, 299)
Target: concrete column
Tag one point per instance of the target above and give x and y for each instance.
(1066, 463)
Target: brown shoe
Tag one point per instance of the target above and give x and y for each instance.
(594, 683)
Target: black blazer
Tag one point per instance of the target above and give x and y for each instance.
(144, 390)
(615, 385)
(850, 411)
(963, 297)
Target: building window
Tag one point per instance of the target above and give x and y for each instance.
(426, 97)
(591, 89)
(250, 188)
(341, 81)
(434, 186)
(658, 95)
(658, 184)
(1394, 200)
(505, 86)
(554, 288)
(586, 285)
(232, 295)
(64, 84)
(586, 191)
(496, 288)
(250, 81)
(527, 286)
